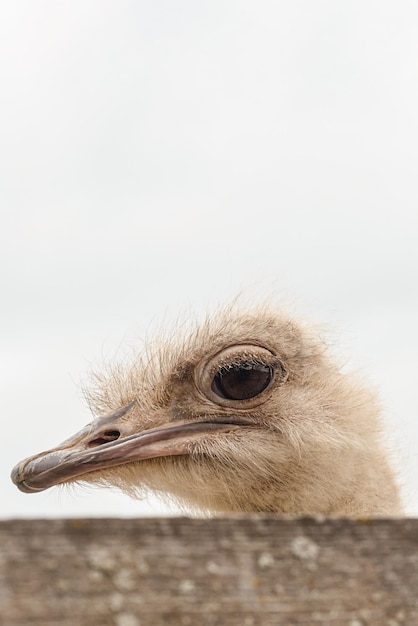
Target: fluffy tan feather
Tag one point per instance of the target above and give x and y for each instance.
(316, 446)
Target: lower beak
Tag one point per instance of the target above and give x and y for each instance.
(106, 442)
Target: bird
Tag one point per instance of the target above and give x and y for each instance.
(247, 412)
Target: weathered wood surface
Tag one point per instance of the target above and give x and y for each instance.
(244, 571)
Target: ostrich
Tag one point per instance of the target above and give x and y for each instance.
(246, 413)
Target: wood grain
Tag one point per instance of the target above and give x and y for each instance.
(235, 571)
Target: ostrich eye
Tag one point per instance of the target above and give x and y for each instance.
(241, 376)
(242, 381)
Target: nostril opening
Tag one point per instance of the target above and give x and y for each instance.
(108, 435)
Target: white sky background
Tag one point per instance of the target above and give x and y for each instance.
(159, 156)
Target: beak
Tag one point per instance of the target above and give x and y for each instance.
(108, 441)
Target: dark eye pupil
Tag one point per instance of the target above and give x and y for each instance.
(242, 381)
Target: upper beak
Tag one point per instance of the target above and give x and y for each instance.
(108, 441)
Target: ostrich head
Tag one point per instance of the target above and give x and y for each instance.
(246, 413)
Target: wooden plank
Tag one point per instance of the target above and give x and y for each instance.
(235, 571)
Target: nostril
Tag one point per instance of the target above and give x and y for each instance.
(105, 437)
